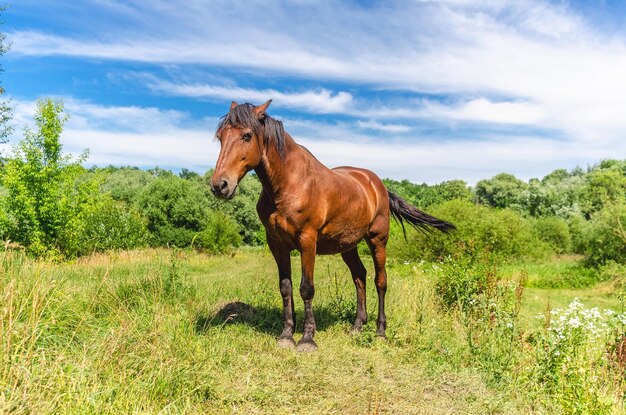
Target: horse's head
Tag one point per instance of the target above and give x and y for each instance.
(242, 136)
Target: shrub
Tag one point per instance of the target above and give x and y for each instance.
(219, 235)
(126, 184)
(103, 225)
(7, 225)
(462, 279)
(242, 208)
(502, 191)
(606, 236)
(176, 210)
(41, 183)
(505, 234)
(555, 232)
(578, 230)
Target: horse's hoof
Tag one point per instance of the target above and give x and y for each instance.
(356, 329)
(286, 343)
(306, 346)
(381, 335)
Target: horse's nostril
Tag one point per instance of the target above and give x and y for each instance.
(223, 185)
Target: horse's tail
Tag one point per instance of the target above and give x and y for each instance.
(401, 211)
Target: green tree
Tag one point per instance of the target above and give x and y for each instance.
(606, 235)
(40, 180)
(604, 186)
(501, 191)
(176, 209)
(453, 190)
(126, 184)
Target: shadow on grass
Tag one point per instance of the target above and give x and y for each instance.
(265, 319)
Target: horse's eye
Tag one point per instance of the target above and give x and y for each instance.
(246, 137)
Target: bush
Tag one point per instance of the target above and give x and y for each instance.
(469, 287)
(462, 279)
(242, 208)
(555, 232)
(505, 234)
(578, 230)
(176, 210)
(7, 225)
(103, 225)
(220, 234)
(42, 193)
(126, 184)
(606, 236)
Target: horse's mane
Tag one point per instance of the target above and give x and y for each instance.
(270, 129)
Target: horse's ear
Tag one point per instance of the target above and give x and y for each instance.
(233, 104)
(260, 110)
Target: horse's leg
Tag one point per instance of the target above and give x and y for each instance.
(378, 247)
(283, 260)
(308, 246)
(358, 271)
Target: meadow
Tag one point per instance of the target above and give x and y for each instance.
(176, 331)
(136, 291)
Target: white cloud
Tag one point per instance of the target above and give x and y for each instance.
(390, 128)
(175, 140)
(139, 136)
(551, 67)
(521, 63)
(316, 101)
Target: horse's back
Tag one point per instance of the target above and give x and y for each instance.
(369, 182)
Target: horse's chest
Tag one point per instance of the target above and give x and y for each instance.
(282, 227)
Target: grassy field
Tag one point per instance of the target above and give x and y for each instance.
(145, 332)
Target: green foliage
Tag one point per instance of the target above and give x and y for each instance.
(558, 194)
(604, 186)
(7, 225)
(126, 184)
(578, 230)
(41, 183)
(606, 235)
(242, 208)
(571, 357)
(501, 191)
(103, 225)
(504, 233)
(424, 196)
(463, 279)
(487, 308)
(52, 206)
(176, 210)
(220, 235)
(555, 232)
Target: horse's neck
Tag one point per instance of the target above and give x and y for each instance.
(275, 171)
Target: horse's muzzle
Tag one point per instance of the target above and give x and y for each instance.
(223, 189)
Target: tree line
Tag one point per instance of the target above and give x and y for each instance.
(54, 207)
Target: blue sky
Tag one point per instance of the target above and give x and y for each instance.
(423, 90)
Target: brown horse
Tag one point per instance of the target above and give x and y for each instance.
(308, 207)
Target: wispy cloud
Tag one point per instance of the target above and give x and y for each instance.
(553, 69)
(173, 139)
(391, 128)
(315, 101)
(390, 68)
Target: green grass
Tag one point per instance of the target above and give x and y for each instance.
(142, 332)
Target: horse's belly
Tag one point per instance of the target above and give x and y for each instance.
(329, 242)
